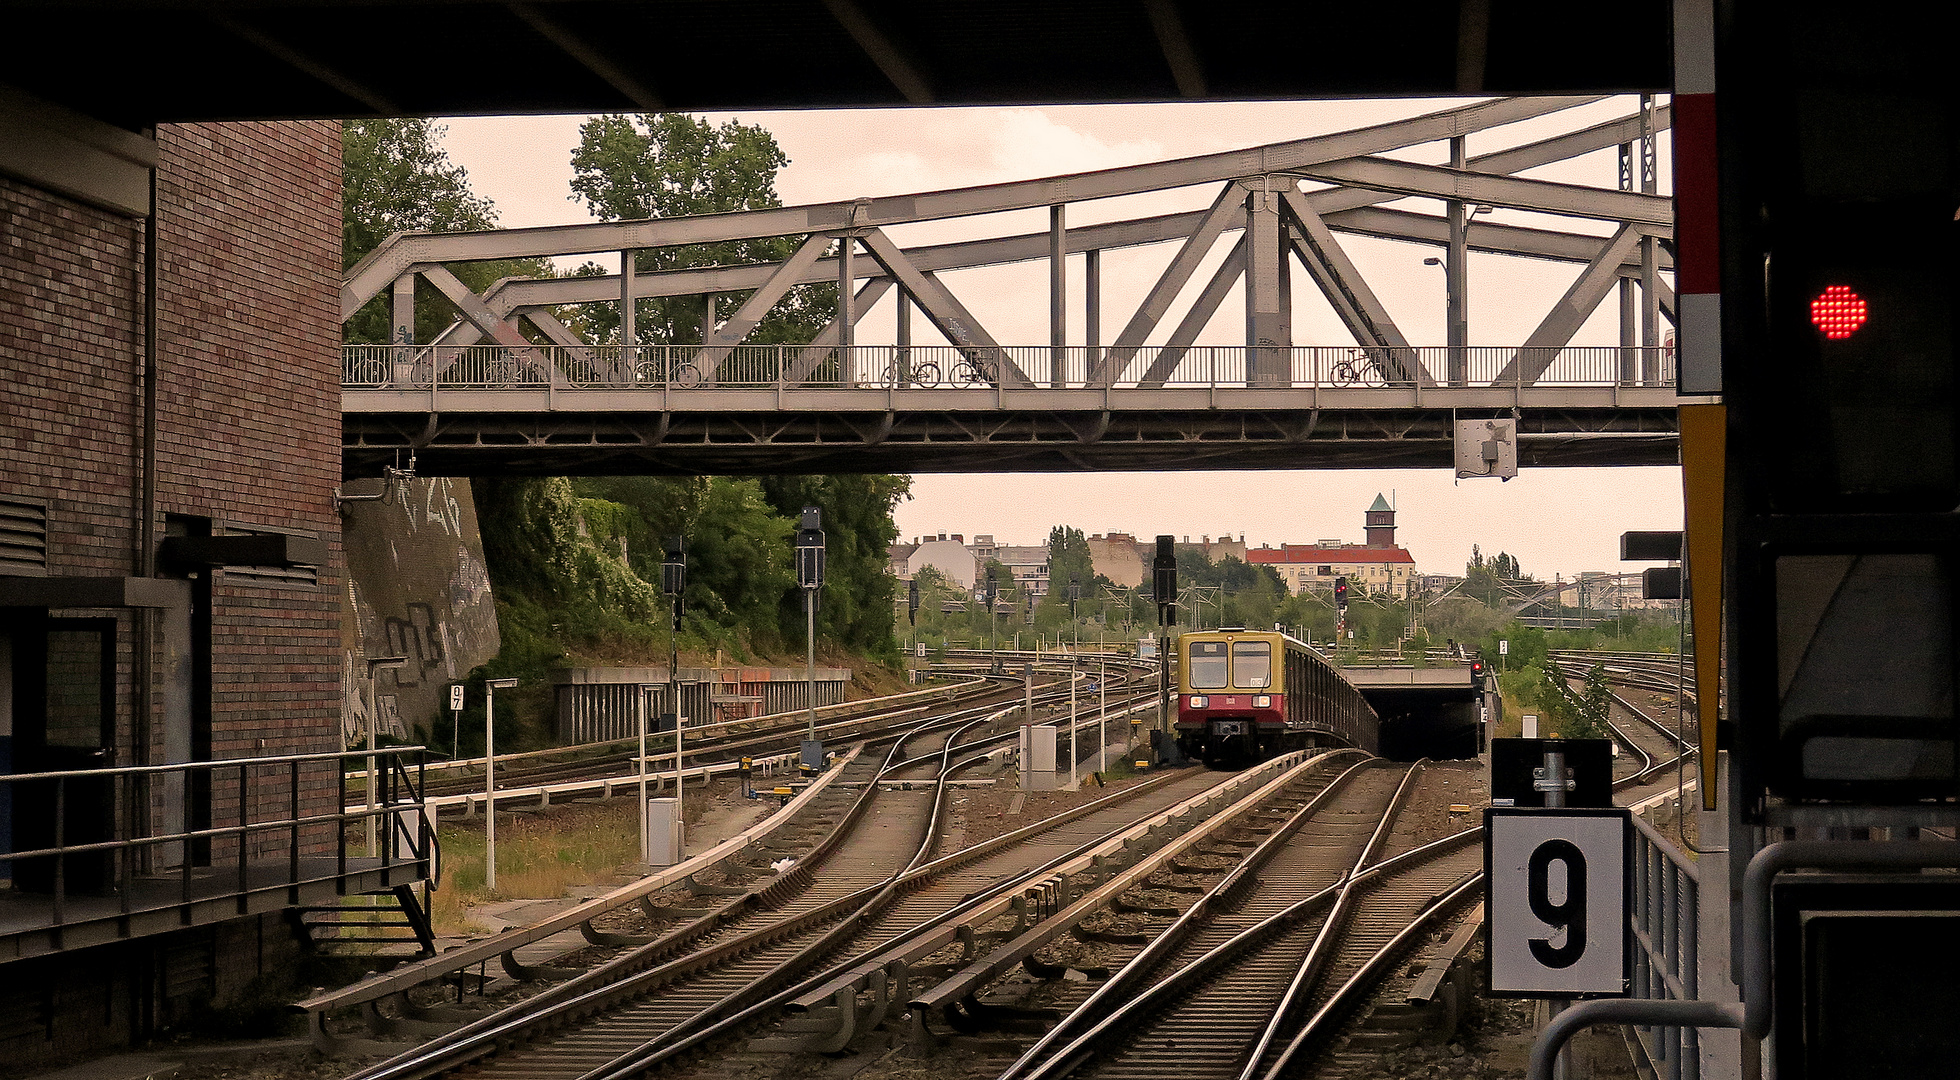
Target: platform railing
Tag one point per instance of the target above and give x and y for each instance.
(213, 829)
(1666, 927)
(921, 367)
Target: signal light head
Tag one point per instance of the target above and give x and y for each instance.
(1838, 312)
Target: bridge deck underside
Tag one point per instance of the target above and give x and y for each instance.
(566, 433)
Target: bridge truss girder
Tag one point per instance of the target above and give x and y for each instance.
(845, 431)
(1280, 222)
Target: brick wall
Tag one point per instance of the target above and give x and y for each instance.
(249, 434)
(248, 437)
(71, 295)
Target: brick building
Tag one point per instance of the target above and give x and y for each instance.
(1378, 566)
(169, 563)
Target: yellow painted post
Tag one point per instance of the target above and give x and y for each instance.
(1704, 451)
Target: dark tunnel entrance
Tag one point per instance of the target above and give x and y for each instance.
(1419, 722)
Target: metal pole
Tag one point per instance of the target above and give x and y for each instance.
(1072, 756)
(679, 808)
(490, 688)
(646, 853)
(490, 788)
(810, 660)
(374, 666)
(1553, 787)
(370, 760)
(1102, 710)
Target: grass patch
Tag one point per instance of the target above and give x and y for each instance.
(540, 856)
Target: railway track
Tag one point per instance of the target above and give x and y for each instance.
(1252, 977)
(537, 771)
(1301, 909)
(878, 880)
(1654, 746)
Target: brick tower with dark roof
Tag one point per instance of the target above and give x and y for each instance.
(1381, 523)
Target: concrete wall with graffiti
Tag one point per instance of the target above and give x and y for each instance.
(417, 588)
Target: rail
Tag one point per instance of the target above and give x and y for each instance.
(406, 977)
(115, 841)
(668, 368)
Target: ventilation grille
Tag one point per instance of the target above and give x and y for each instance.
(270, 577)
(23, 538)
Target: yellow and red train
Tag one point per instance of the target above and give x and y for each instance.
(1245, 695)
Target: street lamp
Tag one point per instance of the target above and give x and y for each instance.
(490, 688)
(809, 578)
(374, 664)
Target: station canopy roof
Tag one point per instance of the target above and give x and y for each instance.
(139, 62)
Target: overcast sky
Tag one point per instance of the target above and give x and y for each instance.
(1553, 520)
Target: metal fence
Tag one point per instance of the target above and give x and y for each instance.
(1666, 927)
(206, 829)
(668, 367)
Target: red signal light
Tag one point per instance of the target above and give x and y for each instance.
(1838, 312)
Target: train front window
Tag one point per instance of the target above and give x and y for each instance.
(1252, 664)
(1209, 667)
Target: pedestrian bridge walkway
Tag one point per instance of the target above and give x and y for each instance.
(761, 408)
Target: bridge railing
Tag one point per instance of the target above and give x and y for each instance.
(670, 367)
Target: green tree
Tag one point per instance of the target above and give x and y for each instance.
(1596, 702)
(660, 165)
(738, 548)
(856, 609)
(396, 177)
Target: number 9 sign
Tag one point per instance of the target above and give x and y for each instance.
(1555, 907)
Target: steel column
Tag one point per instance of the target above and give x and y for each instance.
(1091, 309)
(1456, 279)
(846, 296)
(902, 337)
(1269, 340)
(629, 335)
(403, 308)
(1057, 295)
(1629, 320)
(1650, 322)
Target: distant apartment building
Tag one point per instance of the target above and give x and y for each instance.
(1027, 562)
(1377, 566)
(947, 554)
(1119, 558)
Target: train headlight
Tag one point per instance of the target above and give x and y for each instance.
(1199, 701)
(1262, 702)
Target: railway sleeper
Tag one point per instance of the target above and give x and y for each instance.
(700, 888)
(609, 939)
(382, 1024)
(820, 1031)
(657, 914)
(972, 1016)
(523, 972)
(1144, 907)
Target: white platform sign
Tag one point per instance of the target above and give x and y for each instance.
(1556, 901)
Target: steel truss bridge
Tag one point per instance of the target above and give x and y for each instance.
(510, 388)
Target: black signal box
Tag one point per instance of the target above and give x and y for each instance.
(1513, 765)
